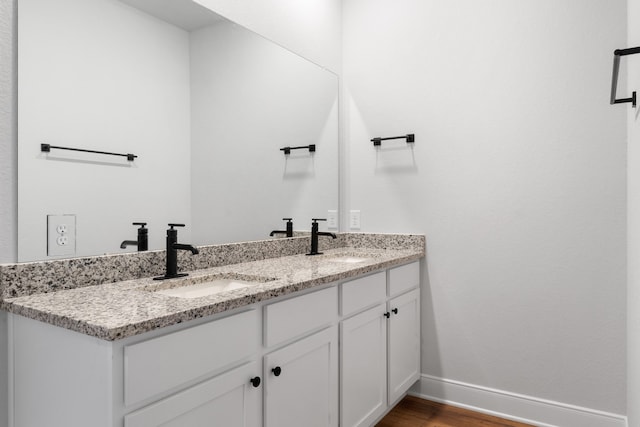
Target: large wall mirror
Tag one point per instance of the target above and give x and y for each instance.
(204, 103)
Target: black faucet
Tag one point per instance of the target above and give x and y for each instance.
(172, 253)
(143, 238)
(288, 232)
(314, 235)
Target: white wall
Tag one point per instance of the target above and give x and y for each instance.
(8, 135)
(126, 91)
(8, 175)
(249, 98)
(310, 28)
(517, 177)
(633, 194)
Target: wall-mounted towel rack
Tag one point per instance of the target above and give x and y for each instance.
(614, 78)
(287, 150)
(411, 138)
(47, 148)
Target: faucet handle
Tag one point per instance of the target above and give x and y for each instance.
(318, 219)
(287, 219)
(175, 225)
(141, 224)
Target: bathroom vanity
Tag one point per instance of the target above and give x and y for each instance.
(295, 340)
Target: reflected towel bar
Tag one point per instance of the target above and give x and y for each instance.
(47, 148)
(287, 150)
(411, 138)
(614, 78)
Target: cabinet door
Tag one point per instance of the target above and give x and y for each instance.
(229, 400)
(404, 343)
(301, 382)
(363, 370)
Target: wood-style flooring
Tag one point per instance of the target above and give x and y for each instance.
(415, 412)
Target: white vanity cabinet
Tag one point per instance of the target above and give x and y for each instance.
(363, 367)
(403, 343)
(229, 400)
(275, 363)
(301, 378)
(297, 381)
(404, 329)
(380, 346)
(165, 363)
(301, 383)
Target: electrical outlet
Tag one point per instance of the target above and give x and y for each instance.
(332, 220)
(61, 235)
(354, 220)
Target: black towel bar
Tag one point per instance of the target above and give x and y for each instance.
(614, 78)
(311, 148)
(47, 148)
(411, 138)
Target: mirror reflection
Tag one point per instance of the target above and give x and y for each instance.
(205, 104)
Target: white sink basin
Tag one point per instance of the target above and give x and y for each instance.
(205, 289)
(197, 287)
(348, 259)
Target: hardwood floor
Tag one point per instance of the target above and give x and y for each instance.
(415, 412)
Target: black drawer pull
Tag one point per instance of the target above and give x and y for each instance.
(277, 371)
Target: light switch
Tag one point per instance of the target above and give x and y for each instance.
(332, 220)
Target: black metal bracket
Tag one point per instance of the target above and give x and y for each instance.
(46, 148)
(614, 78)
(311, 148)
(411, 138)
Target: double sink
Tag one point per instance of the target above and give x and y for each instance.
(212, 284)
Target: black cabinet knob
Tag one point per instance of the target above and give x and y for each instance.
(395, 311)
(255, 381)
(387, 315)
(277, 371)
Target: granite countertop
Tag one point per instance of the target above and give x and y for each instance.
(118, 310)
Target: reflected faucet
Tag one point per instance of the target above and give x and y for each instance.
(172, 253)
(314, 236)
(288, 232)
(143, 238)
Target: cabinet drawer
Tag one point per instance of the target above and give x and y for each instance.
(404, 278)
(229, 399)
(160, 364)
(296, 316)
(364, 292)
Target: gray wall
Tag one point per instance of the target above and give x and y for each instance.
(8, 134)
(517, 178)
(8, 173)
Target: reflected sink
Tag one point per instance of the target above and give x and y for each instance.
(197, 287)
(348, 259)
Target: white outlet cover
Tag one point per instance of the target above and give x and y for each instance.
(354, 220)
(61, 235)
(332, 220)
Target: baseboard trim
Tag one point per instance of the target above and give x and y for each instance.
(512, 406)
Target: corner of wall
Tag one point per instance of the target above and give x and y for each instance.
(8, 172)
(8, 131)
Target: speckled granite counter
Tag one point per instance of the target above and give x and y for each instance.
(113, 311)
